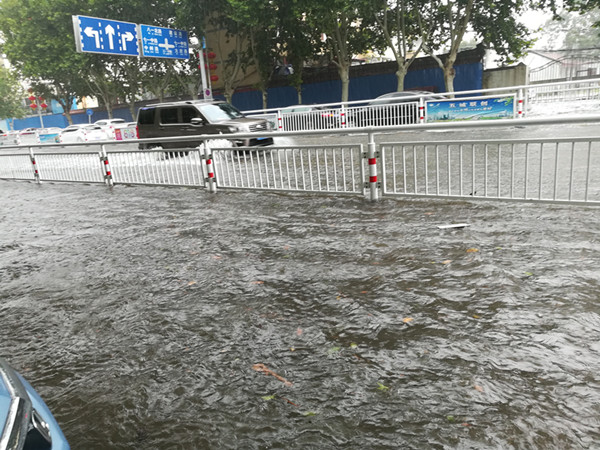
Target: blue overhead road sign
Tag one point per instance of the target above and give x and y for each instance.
(95, 35)
(164, 42)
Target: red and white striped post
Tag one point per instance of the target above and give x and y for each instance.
(108, 178)
(36, 172)
(279, 121)
(372, 158)
(343, 116)
(210, 180)
(421, 110)
(520, 104)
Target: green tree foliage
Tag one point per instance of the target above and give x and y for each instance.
(571, 30)
(11, 95)
(346, 29)
(38, 41)
(493, 22)
(398, 21)
(257, 19)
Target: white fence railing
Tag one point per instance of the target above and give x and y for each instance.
(325, 168)
(557, 170)
(421, 108)
(549, 169)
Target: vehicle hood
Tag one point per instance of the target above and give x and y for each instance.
(243, 122)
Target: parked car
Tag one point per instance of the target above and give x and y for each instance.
(191, 118)
(395, 108)
(27, 136)
(83, 133)
(10, 138)
(309, 117)
(25, 419)
(109, 125)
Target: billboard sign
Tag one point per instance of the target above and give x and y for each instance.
(476, 108)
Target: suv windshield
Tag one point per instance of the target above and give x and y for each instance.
(220, 111)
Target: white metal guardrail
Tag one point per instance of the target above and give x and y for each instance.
(154, 167)
(551, 170)
(557, 170)
(380, 112)
(326, 168)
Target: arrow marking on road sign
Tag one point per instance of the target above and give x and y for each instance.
(90, 32)
(110, 31)
(126, 38)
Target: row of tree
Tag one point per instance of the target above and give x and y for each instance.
(38, 40)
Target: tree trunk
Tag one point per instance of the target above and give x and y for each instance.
(400, 75)
(265, 96)
(344, 71)
(132, 110)
(449, 72)
(299, 92)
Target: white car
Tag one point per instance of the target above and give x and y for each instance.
(83, 133)
(109, 125)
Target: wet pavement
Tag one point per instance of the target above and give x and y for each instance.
(152, 318)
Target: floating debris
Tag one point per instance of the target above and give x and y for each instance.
(453, 225)
(264, 369)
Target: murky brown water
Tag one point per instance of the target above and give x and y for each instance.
(143, 316)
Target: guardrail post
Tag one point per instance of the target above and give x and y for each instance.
(279, 121)
(372, 158)
(421, 110)
(36, 172)
(520, 104)
(344, 123)
(108, 178)
(210, 180)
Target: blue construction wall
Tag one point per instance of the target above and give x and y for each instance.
(468, 77)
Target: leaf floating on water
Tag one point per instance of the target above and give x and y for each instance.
(289, 401)
(264, 369)
(478, 388)
(472, 250)
(267, 398)
(334, 350)
(299, 332)
(309, 414)
(448, 261)
(382, 387)
(257, 282)
(407, 319)
(364, 292)
(529, 274)
(353, 345)
(191, 283)
(450, 418)
(476, 316)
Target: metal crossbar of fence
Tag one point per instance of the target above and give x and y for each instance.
(559, 170)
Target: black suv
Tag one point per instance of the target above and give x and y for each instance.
(191, 118)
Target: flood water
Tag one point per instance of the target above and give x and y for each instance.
(170, 318)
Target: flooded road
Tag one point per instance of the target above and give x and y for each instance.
(154, 318)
